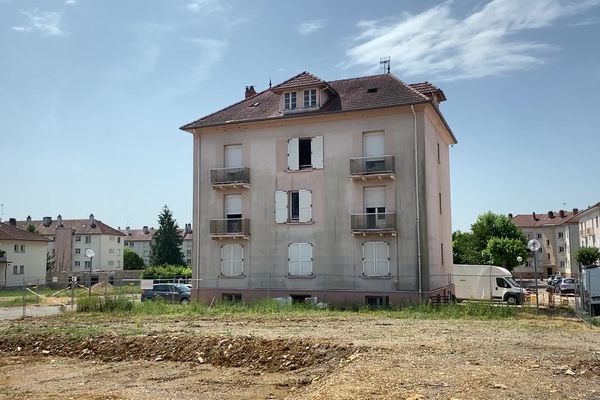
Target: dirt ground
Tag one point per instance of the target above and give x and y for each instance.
(330, 357)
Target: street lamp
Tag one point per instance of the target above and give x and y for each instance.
(90, 253)
(520, 260)
(534, 246)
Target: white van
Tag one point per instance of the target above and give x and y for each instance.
(486, 282)
(590, 278)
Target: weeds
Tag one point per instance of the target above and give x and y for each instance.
(107, 304)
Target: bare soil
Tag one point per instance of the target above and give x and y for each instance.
(329, 357)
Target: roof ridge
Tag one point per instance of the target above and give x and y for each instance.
(357, 77)
(410, 87)
(296, 76)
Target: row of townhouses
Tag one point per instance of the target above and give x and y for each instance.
(140, 241)
(338, 190)
(560, 235)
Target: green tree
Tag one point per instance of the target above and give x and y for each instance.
(132, 260)
(49, 261)
(504, 251)
(31, 228)
(494, 238)
(587, 256)
(166, 245)
(464, 250)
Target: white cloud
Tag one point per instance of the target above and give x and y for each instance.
(142, 62)
(70, 2)
(435, 43)
(308, 27)
(210, 53)
(207, 6)
(46, 22)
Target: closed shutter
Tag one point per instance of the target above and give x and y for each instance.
(376, 258)
(317, 152)
(232, 259)
(305, 201)
(373, 144)
(233, 156)
(300, 258)
(374, 196)
(233, 205)
(281, 207)
(292, 157)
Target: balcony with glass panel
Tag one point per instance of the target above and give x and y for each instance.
(234, 178)
(373, 224)
(379, 167)
(230, 228)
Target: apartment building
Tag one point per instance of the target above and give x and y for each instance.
(22, 256)
(338, 190)
(558, 234)
(589, 226)
(70, 238)
(140, 241)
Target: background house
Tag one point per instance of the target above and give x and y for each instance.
(70, 238)
(22, 256)
(140, 241)
(334, 189)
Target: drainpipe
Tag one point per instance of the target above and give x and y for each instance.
(417, 208)
(196, 220)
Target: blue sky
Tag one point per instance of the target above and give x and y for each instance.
(92, 93)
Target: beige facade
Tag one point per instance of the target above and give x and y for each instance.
(22, 257)
(70, 238)
(308, 225)
(589, 227)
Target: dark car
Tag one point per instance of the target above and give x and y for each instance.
(169, 292)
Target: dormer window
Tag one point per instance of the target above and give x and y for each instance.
(310, 98)
(289, 101)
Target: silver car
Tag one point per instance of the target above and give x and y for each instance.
(567, 285)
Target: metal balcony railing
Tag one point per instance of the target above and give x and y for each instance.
(228, 176)
(372, 165)
(230, 227)
(373, 222)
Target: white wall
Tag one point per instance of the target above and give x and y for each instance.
(33, 260)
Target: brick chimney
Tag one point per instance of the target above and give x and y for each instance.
(92, 221)
(250, 91)
(561, 213)
(12, 222)
(145, 229)
(575, 211)
(510, 216)
(550, 214)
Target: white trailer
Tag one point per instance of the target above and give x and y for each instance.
(486, 282)
(590, 279)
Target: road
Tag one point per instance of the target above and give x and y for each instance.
(17, 312)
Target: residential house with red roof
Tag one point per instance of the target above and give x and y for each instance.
(22, 256)
(70, 238)
(589, 226)
(338, 190)
(140, 241)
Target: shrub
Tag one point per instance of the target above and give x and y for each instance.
(113, 304)
(167, 271)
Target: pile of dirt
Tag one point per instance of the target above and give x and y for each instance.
(271, 355)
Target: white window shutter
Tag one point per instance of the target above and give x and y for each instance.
(293, 258)
(281, 207)
(317, 152)
(307, 259)
(305, 210)
(292, 157)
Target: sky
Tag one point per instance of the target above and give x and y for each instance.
(92, 93)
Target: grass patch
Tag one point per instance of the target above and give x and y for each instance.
(106, 304)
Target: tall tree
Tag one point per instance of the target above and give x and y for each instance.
(464, 250)
(503, 251)
(132, 260)
(166, 244)
(490, 225)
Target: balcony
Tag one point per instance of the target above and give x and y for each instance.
(235, 178)
(373, 224)
(363, 168)
(232, 228)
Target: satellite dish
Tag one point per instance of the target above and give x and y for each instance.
(533, 245)
(90, 253)
(519, 259)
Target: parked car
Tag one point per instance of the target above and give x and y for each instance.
(169, 292)
(550, 279)
(557, 280)
(567, 285)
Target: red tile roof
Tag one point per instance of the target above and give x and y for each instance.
(303, 79)
(80, 227)
(8, 232)
(542, 219)
(428, 88)
(138, 235)
(347, 95)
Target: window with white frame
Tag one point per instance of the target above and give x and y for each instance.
(111, 251)
(376, 258)
(562, 263)
(561, 249)
(18, 269)
(293, 206)
(560, 234)
(77, 263)
(77, 251)
(310, 98)
(305, 153)
(539, 235)
(289, 101)
(19, 248)
(78, 238)
(300, 259)
(88, 264)
(88, 239)
(232, 259)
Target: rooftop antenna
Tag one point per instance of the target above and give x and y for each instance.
(269, 83)
(384, 63)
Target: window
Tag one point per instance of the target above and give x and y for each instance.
(77, 263)
(528, 236)
(560, 234)
(442, 252)
(232, 297)
(500, 282)
(547, 242)
(112, 251)
(289, 100)
(300, 259)
(88, 239)
(305, 153)
(119, 239)
(188, 253)
(310, 98)
(111, 238)
(19, 248)
(188, 261)
(527, 264)
(293, 206)
(540, 250)
(233, 212)
(561, 249)
(78, 238)
(376, 258)
(374, 204)
(77, 251)
(88, 264)
(110, 263)
(562, 263)
(377, 301)
(440, 201)
(374, 151)
(233, 156)
(548, 256)
(438, 153)
(53, 252)
(232, 259)
(539, 235)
